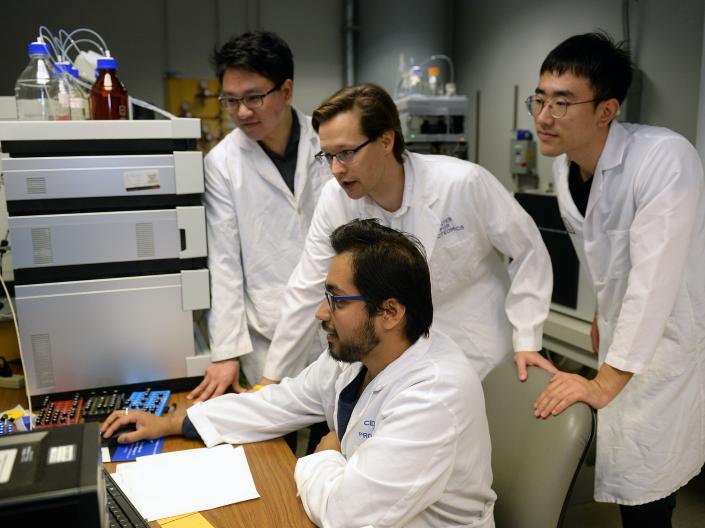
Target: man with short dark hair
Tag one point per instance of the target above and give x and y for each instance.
(262, 185)
(461, 213)
(632, 198)
(409, 442)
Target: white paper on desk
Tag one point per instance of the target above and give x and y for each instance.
(170, 484)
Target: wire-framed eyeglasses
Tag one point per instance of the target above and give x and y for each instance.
(557, 107)
(344, 156)
(253, 100)
(334, 299)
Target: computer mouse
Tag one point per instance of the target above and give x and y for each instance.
(111, 441)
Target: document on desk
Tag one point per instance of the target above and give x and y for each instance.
(194, 480)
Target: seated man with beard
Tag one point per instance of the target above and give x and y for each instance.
(409, 442)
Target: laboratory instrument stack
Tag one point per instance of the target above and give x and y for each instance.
(109, 251)
(433, 118)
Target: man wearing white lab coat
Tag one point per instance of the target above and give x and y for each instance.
(464, 217)
(409, 442)
(262, 184)
(632, 198)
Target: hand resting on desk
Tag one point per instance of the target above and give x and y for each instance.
(148, 426)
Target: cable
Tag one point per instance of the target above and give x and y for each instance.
(94, 33)
(50, 39)
(442, 57)
(75, 42)
(148, 106)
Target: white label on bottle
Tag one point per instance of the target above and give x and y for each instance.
(62, 454)
(140, 180)
(7, 462)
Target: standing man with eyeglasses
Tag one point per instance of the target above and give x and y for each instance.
(632, 198)
(262, 184)
(461, 213)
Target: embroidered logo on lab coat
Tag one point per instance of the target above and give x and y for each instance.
(447, 227)
(368, 427)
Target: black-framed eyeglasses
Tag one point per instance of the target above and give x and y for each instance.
(253, 100)
(557, 107)
(334, 299)
(344, 156)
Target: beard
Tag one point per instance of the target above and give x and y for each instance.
(357, 347)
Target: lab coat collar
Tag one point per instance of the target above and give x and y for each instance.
(409, 358)
(561, 167)
(611, 157)
(372, 209)
(265, 167)
(420, 198)
(427, 222)
(308, 147)
(613, 153)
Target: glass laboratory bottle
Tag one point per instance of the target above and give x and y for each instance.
(434, 86)
(74, 97)
(108, 99)
(416, 80)
(60, 92)
(34, 86)
(79, 106)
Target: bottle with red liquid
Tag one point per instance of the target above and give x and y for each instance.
(108, 99)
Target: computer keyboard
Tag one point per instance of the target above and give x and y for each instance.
(121, 512)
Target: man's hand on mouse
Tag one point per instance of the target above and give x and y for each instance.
(148, 426)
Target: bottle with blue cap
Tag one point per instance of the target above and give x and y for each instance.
(62, 90)
(36, 85)
(417, 84)
(108, 99)
(71, 96)
(79, 104)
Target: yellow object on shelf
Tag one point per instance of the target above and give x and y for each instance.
(199, 98)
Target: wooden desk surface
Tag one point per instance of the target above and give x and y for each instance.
(272, 465)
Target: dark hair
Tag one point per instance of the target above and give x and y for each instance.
(388, 264)
(262, 52)
(596, 57)
(377, 111)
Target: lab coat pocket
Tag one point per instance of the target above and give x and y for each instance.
(618, 259)
(266, 304)
(455, 263)
(675, 352)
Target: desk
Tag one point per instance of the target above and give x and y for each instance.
(272, 465)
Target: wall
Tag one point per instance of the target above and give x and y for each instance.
(501, 44)
(700, 136)
(421, 28)
(156, 39)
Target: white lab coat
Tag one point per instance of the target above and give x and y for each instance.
(644, 246)
(415, 453)
(256, 232)
(465, 219)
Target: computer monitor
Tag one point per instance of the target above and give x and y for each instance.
(53, 477)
